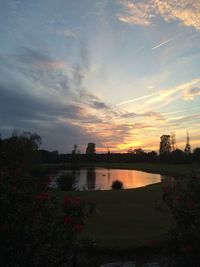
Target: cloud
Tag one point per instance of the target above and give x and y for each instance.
(37, 70)
(166, 94)
(187, 12)
(45, 101)
(100, 105)
(41, 100)
(59, 125)
(135, 13)
(191, 93)
(149, 114)
(38, 59)
(185, 119)
(69, 33)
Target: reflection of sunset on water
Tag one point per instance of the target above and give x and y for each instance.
(130, 178)
(101, 179)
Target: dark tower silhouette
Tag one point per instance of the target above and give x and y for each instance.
(173, 141)
(187, 149)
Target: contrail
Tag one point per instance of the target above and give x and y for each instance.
(136, 99)
(166, 42)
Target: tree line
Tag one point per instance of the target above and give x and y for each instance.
(177, 157)
(165, 155)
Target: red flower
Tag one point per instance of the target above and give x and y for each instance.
(14, 189)
(187, 248)
(152, 243)
(78, 200)
(190, 204)
(48, 180)
(6, 227)
(17, 172)
(78, 228)
(42, 196)
(68, 220)
(178, 200)
(68, 201)
(166, 189)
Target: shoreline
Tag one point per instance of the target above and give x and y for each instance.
(157, 168)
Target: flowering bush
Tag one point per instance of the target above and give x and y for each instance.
(183, 200)
(35, 229)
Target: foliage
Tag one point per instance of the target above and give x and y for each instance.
(75, 150)
(117, 185)
(35, 230)
(183, 200)
(66, 182)
(165, 144)
(90, 149)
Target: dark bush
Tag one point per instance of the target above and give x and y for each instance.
(183, 199)
(66, 182)
(117, 185)
(35, 228)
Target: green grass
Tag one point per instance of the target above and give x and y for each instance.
(126, 218)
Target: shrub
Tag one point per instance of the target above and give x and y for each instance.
(117, 185)
(66, 182)
(183, 200)
(35, 229)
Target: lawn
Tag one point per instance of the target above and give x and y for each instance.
(125, 218)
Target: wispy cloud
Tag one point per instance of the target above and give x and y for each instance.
(38, 59)
(191, 93)
(143, 12)
(149, 114)
(69, 33)
(167, 93)
(186, 11)
(135, 13)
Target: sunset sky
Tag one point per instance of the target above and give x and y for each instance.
(115, 72)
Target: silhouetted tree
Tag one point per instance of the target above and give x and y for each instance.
(152, 156)
(138, 151)
(75, 149)
(90, 148)
(165, 144)
(130, 150)
(178, 156)
(196, 154)
(20, 150)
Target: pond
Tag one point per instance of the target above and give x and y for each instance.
(102, 178)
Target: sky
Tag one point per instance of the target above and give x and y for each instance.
(119, 73)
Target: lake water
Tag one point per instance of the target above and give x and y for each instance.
(101, 178)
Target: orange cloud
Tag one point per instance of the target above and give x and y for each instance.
(142, 12)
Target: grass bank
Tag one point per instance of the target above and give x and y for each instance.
(161, 168)
(126, 219)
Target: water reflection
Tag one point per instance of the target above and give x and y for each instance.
(91, 178)
(101, 178)
(130, 178)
